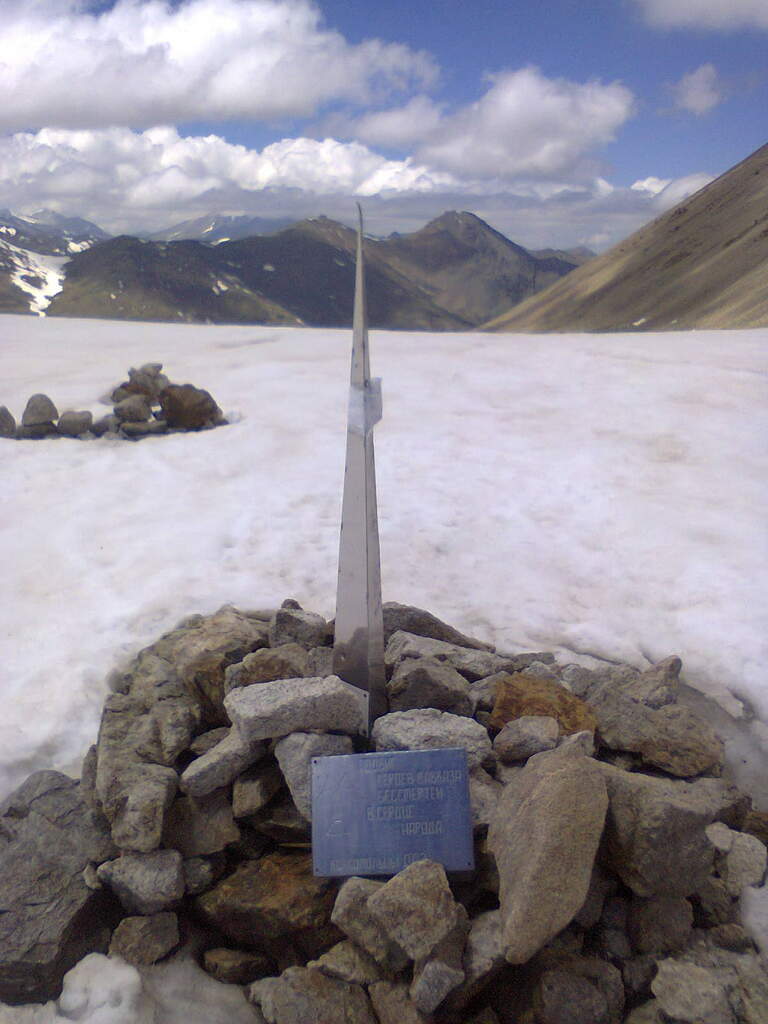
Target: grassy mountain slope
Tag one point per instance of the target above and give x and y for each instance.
(704, 264)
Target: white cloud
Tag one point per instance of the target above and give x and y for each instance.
(399, 126)
(651, 185)
(148, 61)
(711, 14)
(680, 189)
(699, 91)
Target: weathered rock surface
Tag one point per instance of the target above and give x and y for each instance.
(49, 917)
(472, 664)
(408, 619)
(563, 998)
(186, 407)
(270, 898)
(482, 959)
(39, 410)
(135, 801)
(353, 916)
(526, 736)
(236, 966)
(145, 883)
(660, 925)
(288, 661)
(545, 837)
(145, 940)
(221, 764)
(441, 971)
(484, 792)
(208, 740)
(740, 858)
(393, 1005)
(348, 962)
(294, 754)
(7, 423)
(73, 424)
(305, 996)
(429, 729)
(196, 826)
(522, 695)
(689, 993)
(295, 705)
(108, 424)
(292, 625)
(134, 409)
(427, 683)
(255, 788)
(148, 429)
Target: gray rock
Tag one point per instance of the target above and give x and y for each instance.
(688, 993)
(291, 625)
(416, 909)
(255, 788)
(406, 618)
(612, 935)
(482, 960)
(186, 407)
(303, 996)
(145, 940)
(637, 974)
(73, 424)
(740, 858)
(584, 742)
(294, 754)
(655, 832)
(196, 826)
(672, 738)
(526, 736)
(484, 793)
(545, 837)
(200, 873)
(439, 973)
(108, 424)
(348, 962)
(288, 661)
(7, 423)
(714, 904)
(564, 998)
(606, 978)
(393, 1005)
(208, 740)
(660, 925)
(149, 428)
(648, 1013)
(319, 662)
(38, 411)
(352, 915)
(281, 821)
(601, 885)
(236, 966)
(426, 683)
(135, 801)
(49, 917)
(135, 409)
(472, 664)
(221, 764)
(293, 705)
(428, 729)
(145, 883)
(36, 432)
(656, 688)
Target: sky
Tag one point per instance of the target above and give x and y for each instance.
(565, 123)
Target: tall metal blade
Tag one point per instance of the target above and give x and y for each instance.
(358, 652)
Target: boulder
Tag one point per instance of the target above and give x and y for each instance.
(197, 826)
(288, 661)
(145, 940)
(545, 837)
(520, 695)
(472, 664)
(655, 830)
(7, 423)
(408, 619)
(672, 738)
(272, 710)
(294, 754)
(145, 883)
(135, 409)
(135, 801)
(294, 626)
(186, 407)
(429, 729)
(255, 788)
(352, 915)
(221, 764)
(236, 966)
(73, 424)
(49, 917)
(415, 909)
(39, 411)
(426, 683)
(690, 994)
(36, 432)
(271, 898)
(307, 996)
(526, 736)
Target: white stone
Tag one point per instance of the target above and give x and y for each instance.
(221, 764)
(294, 754)
(428, 729)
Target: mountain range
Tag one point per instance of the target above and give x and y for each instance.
(704, 264)
(454, 274)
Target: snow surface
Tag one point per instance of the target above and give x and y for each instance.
(48, 269)
(598, 495)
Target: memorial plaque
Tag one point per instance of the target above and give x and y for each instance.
(374, 814)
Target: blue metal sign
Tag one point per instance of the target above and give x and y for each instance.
(373, 814)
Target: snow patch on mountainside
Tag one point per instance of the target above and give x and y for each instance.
(41, 277)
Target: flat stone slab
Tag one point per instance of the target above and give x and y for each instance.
(374, 814)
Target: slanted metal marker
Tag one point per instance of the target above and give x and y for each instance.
(358, 651)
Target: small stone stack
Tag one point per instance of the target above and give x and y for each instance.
(610, 853)
(144, 405)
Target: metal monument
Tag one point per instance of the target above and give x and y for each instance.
(358, 651)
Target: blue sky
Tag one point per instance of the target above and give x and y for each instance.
(563, 123)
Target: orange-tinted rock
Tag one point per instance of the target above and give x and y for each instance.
(522, 694)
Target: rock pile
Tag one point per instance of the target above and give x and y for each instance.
(144, 405)
(610, 851)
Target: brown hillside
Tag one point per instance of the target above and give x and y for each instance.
(703, 264)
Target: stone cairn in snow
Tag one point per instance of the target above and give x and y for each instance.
(610, 852)
(144, 405)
